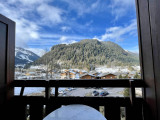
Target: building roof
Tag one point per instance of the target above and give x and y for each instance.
(93, 72)
(104, 74)
(87, 74)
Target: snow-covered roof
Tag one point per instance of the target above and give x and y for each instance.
(83, 71)
(93, 72)
(104, 74)
(72, 72)
(87, 74)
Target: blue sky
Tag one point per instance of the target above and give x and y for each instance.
(40, 24)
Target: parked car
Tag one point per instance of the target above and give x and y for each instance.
(69, 89)
(104, 93)
(62, 92)
(95, 93)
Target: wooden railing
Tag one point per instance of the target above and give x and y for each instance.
(40, 106)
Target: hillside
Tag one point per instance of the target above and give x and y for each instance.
(23, 56)
(87, 53)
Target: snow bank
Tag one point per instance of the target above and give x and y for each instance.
(28, 90)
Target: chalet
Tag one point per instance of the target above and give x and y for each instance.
(87, 76)
(94, 73)
(132, 74)
(31, 74)
(77, 76)
(63, 75)
(51, 72)
(72, 75)
(39, 71)
(66, 70)
(107, 76)
(68, 75)
(82, 72)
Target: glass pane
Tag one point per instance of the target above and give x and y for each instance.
(90, 39)
(78, 43)
(34, 91)
(93, 92)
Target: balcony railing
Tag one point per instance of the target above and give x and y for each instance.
(133, 105)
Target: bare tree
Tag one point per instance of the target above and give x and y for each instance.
(46, 63)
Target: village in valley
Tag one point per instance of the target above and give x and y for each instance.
(43, 73)
(87, 59)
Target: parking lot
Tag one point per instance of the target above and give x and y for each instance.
(114, 92)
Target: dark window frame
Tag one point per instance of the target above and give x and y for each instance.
(148, 19)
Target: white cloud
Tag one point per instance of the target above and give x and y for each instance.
(63, 38)
(65, 28)
(83, 7)
(118, 32)
(39, 52)
(95, 37)
(89, 23)
(95, 5)
(21, 11)
(66, 40)
(58, 36)
(25, 30)
(73, 41)
(50, 14)
(69, 42)
(28, 2)
(134, 49)
(119, 8)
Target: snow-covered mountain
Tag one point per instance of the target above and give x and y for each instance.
(23, 56)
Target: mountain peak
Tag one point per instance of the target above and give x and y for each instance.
(86, 52)
(89, 41)
(23, 56)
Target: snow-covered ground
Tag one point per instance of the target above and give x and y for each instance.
(28, 90)
(116, 69)
(39, 67)
(32, 90)
(75, 91)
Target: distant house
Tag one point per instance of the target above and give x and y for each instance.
(82, 72)
(107, 76)
(63, 75)
(87, 76)
(31, 74)
(132, 74)
(77, 76)
(95, 73)
(72, 75)
(66, 70)
(40, 71)
(68, 75)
